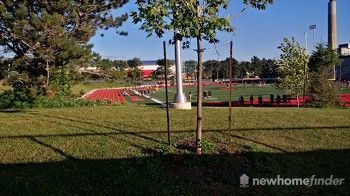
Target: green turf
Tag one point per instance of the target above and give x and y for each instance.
(111, 150)
(221, 93)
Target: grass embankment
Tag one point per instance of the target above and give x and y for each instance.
(101, 150)
(86, 87)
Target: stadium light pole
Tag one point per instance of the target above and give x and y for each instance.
(305, 34)
(311, 27)
(180, 101)
(180, 96)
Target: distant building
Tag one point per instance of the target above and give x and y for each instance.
(344, 49)
(148, 67)
(343, 72)
(89, 69)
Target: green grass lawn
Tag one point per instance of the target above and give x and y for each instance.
(221, 93)
(122, 150)
(86, 87)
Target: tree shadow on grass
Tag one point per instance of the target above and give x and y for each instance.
(178, 174)
(11, 111)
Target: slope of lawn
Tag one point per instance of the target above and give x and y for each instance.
(88, 86)
(123, 150)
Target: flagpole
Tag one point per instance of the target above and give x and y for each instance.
(305, 34)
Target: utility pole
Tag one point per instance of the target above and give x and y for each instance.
(166, 92)
(47, 74)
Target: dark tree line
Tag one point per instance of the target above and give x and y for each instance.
(214, 69)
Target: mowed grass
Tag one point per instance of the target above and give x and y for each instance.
(88, 86)
(221, 93)
(123, 150)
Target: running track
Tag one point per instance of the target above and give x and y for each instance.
(116, 96)
(111, 95)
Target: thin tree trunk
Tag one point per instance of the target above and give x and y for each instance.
(298, 100)
(199, 97)
(48, 74)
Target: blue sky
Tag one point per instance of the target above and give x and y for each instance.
(256, 32)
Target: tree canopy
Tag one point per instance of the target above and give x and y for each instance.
(54, 33)
(160, 16)
(323, 91)
(292, 67)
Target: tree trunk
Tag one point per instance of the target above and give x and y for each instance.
(298, 100)
(48, 74)
(199, 96)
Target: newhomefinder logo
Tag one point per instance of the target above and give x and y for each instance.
(279, 181)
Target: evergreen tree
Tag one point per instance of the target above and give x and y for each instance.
(322, 90)
(45, 34)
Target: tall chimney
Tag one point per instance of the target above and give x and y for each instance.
(332, 24)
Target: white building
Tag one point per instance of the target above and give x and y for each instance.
(148, 67)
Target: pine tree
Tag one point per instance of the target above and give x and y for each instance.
(322, 90)
(45, 34)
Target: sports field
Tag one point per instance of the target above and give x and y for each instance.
(221, 92)
(219, 95)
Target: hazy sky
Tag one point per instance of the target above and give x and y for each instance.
(256, 32)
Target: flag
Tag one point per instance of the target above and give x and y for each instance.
(312, 27)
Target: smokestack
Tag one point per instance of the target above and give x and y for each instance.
(332, 24)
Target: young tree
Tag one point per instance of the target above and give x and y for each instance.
(292, 68)
(189, 19)
(322, 90)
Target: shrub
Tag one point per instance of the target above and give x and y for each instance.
(322, 91)
(16, 99)
(61, 102)
(19, 100)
